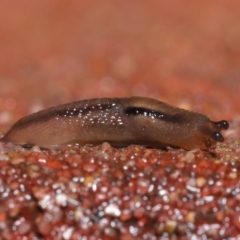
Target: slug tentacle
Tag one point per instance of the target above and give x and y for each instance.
(119, 121)
(222, 125)
(218, 137)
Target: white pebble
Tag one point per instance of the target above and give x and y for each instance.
(67, 233)
(112, 210)
(61, 199)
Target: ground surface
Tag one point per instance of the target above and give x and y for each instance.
(188, 55)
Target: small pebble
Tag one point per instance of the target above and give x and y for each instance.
(112, 210)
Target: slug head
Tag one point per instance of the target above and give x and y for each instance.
(212, 132)
(204, 137)
(217, 127)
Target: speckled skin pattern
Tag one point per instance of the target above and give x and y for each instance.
(119, 121)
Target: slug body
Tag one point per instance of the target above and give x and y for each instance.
(119, 121)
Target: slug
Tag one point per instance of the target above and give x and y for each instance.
(119, 121)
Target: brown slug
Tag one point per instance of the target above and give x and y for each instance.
(119, 121)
